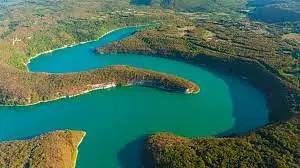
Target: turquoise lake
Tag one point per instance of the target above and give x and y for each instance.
(117, 120)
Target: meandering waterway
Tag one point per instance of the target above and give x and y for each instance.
(116, 120)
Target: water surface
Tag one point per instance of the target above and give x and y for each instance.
(117, 120)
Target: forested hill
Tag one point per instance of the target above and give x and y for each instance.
(194, 5)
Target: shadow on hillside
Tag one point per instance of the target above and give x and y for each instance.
(131, 155)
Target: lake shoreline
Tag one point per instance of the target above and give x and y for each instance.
(59, 98)
(232, 65)
(145, 78)
(77, 149)
(104, 87)
(66, 46)
(80, 43)
(27, 102)
(280, 95)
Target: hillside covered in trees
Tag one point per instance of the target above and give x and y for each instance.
(276, 145)
(194, 5)
(55, 149)
(33, 88)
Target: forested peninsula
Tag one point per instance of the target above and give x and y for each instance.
(31, 88)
